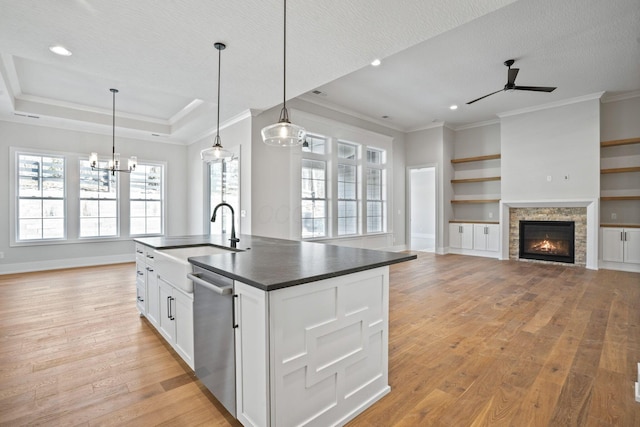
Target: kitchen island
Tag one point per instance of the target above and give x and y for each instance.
(311, 343)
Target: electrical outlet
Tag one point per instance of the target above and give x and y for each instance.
(490, 215)
(614, 216)
(243, 213)
(549, 178)
(1, 255)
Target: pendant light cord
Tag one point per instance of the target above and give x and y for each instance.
(219, 68)
(113, 130)
(284, 73)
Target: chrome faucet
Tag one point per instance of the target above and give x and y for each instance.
(233, 238)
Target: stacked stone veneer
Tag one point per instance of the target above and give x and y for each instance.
(577, 215)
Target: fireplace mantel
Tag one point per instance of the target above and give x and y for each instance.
(591, 206)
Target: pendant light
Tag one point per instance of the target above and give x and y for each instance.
(216, 152)
(284, 133)
(114, 163)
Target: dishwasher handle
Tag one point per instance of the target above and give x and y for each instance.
(195, 277)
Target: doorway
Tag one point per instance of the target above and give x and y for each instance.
(422, 216)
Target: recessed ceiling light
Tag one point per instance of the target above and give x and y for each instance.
(453, 107)
(60, 50)
(376, 62)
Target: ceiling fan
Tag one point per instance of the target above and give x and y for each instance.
(511, 85)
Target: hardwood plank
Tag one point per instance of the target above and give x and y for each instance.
(472, 341)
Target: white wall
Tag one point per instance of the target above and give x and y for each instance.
(555, 142)
(47, 256)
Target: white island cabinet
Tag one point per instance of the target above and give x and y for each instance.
(312, 355)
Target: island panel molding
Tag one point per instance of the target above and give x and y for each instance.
(330, 348)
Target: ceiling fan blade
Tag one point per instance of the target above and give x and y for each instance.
(483, 97)
(513, 72)
(535, 88)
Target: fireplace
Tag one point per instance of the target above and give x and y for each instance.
(547, 240)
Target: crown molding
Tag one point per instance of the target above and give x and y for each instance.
(621, 97)
(327, 104)
(549, 105)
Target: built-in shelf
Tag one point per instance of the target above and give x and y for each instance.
(611, 198)
(620, 225)
(473, 221)
(616, 142)
(476, 201)
(620, 170)
(476, 158)
(489, 178)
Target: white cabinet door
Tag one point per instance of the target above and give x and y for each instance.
(183, 313)
(461, 236)
(480, 237)
(141, 284)
(252, 356)
(153, 299)
(466, 237)
(612, 244)
(493, 237)
(166, 323)
(632, 245)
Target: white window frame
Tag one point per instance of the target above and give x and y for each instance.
(15, 196)
(357, 199)
(162, 200)
(382, 201)
(102, 164)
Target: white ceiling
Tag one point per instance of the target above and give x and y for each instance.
(435, 53)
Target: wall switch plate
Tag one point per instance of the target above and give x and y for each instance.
(548, 177)
(1, 255)
(243, 213)
(614, 216)
(490, 215)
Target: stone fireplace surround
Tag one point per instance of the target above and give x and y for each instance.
(582, 212)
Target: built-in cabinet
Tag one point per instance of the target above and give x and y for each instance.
(168, 309)
(461, 236)
(486, 237)
(481, 239)
(621, 245)
(620, 204)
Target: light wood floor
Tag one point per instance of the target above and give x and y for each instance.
(473, 341)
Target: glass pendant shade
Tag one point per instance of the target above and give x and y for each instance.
(215, 152)
(284, 133)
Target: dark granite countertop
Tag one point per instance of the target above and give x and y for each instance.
(270, 264)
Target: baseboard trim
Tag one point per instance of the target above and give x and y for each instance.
(58, 264)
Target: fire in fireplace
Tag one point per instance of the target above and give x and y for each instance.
(547, 240)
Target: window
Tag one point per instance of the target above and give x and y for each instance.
(41, 197)
(224, 186)
(146, 194)
(314, 203)
(343, 188)
(98, 201)
(347, 189)
(375, 191)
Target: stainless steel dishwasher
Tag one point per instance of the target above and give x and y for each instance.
(213, 333)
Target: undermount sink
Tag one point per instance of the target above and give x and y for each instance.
(172, 265)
